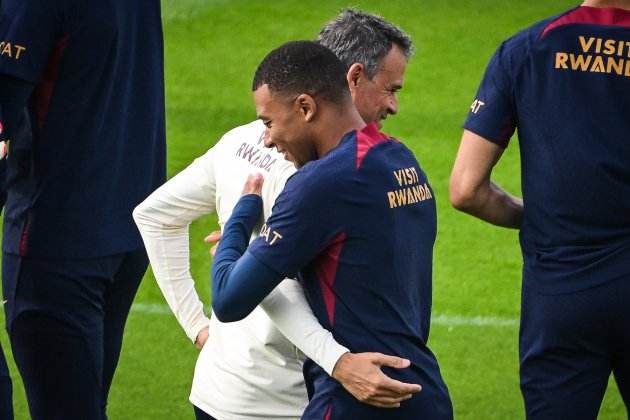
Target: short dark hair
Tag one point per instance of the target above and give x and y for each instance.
(360, 37)
(303, 67)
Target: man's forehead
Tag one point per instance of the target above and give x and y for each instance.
(262, 94)
(262, 99)
(392, 67)
(269, 101)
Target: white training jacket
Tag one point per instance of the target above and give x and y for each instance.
(247, 369)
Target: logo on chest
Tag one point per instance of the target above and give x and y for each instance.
(256, 156)
(412, 191)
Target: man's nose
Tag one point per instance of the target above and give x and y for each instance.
(392, 106)
(267, 139)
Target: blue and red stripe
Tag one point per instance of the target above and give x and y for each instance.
(590, 16)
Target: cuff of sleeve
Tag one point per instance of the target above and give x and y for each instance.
(502, 140)
(193, 331)
(334, 351)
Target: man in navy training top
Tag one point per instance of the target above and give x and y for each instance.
(356, 223)
(565, 84)
(81, 86)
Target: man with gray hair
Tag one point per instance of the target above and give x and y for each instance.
(375, 53)
(248, 369)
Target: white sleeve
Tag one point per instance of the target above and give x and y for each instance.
(163, 220)
(287, 307)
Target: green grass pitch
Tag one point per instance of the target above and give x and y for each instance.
(212, 49)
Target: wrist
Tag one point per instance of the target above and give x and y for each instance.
(337, 370)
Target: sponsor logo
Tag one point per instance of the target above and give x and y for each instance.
(599, 55)
(412, 190)
(269, 235)
(8, 49)
(476, 106)
(257, 157)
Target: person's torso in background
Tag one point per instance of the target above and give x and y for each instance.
(92, 145)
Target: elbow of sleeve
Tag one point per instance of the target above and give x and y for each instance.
(226, 312)
(224, 306)
(237, 288)
(138, 215)
(143, 217)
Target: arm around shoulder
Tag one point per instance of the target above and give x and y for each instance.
(287, 307)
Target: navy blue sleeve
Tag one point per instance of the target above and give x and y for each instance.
(14, 94)
(492, 114)
(3, 162)
(13, 98)
(239, 280)
(306, 218)
(29, 30)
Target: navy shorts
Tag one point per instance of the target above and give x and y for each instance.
(202, 415)
(65, 320)
(569, 345)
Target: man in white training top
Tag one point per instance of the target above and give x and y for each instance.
(250, 369)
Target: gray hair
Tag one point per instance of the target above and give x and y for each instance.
(359, 37)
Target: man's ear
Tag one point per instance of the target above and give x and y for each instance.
(355, 76)
(306, 105)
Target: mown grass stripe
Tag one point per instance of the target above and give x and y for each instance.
(437, 319)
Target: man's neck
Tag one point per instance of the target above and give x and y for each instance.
(618, 4)
(345, 120)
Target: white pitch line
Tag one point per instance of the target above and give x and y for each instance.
(472, 321)
(436, 319)
(151, 308)
(186, 9)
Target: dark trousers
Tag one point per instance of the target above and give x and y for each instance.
(569, 345)
(202, 415)
(65, 320)
(6, 390)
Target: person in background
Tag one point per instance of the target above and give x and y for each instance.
(82, 94)
(564, 84)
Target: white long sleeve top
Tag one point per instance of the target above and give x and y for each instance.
(247, 369)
